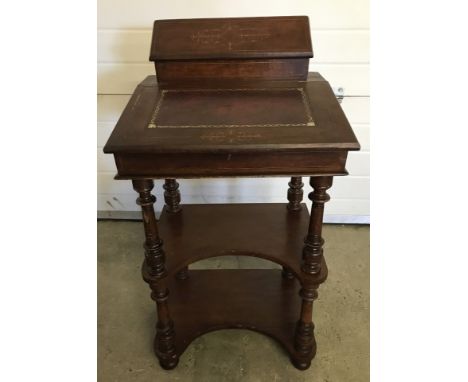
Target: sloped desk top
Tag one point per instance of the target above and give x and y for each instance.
(245, 123)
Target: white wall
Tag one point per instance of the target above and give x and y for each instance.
(340, 39)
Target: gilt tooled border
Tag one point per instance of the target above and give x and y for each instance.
(310, 121)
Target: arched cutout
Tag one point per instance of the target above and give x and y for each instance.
(239, 260)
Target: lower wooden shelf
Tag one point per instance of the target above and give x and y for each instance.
(259, 300)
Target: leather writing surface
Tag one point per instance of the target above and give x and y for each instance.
(253, 107)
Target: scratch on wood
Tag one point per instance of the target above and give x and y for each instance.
(137, 100)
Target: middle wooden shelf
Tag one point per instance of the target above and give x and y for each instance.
(265, 230)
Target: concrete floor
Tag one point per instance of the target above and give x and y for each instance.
(126, 318)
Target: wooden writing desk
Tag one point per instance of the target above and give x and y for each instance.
(233, 97)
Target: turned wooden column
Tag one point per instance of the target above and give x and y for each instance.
(311, 264)
(312, 253)
(295, 194)
(171, 195)
(172, 202)
(155, 273)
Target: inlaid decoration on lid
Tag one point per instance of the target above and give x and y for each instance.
(225, 38)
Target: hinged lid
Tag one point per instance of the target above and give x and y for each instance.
(228, 38)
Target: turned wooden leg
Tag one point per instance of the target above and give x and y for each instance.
(295, 194)
(172, 201)
(304, 340)
(155, 273)
(312, 253)
(311, 264)
(172, 195)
